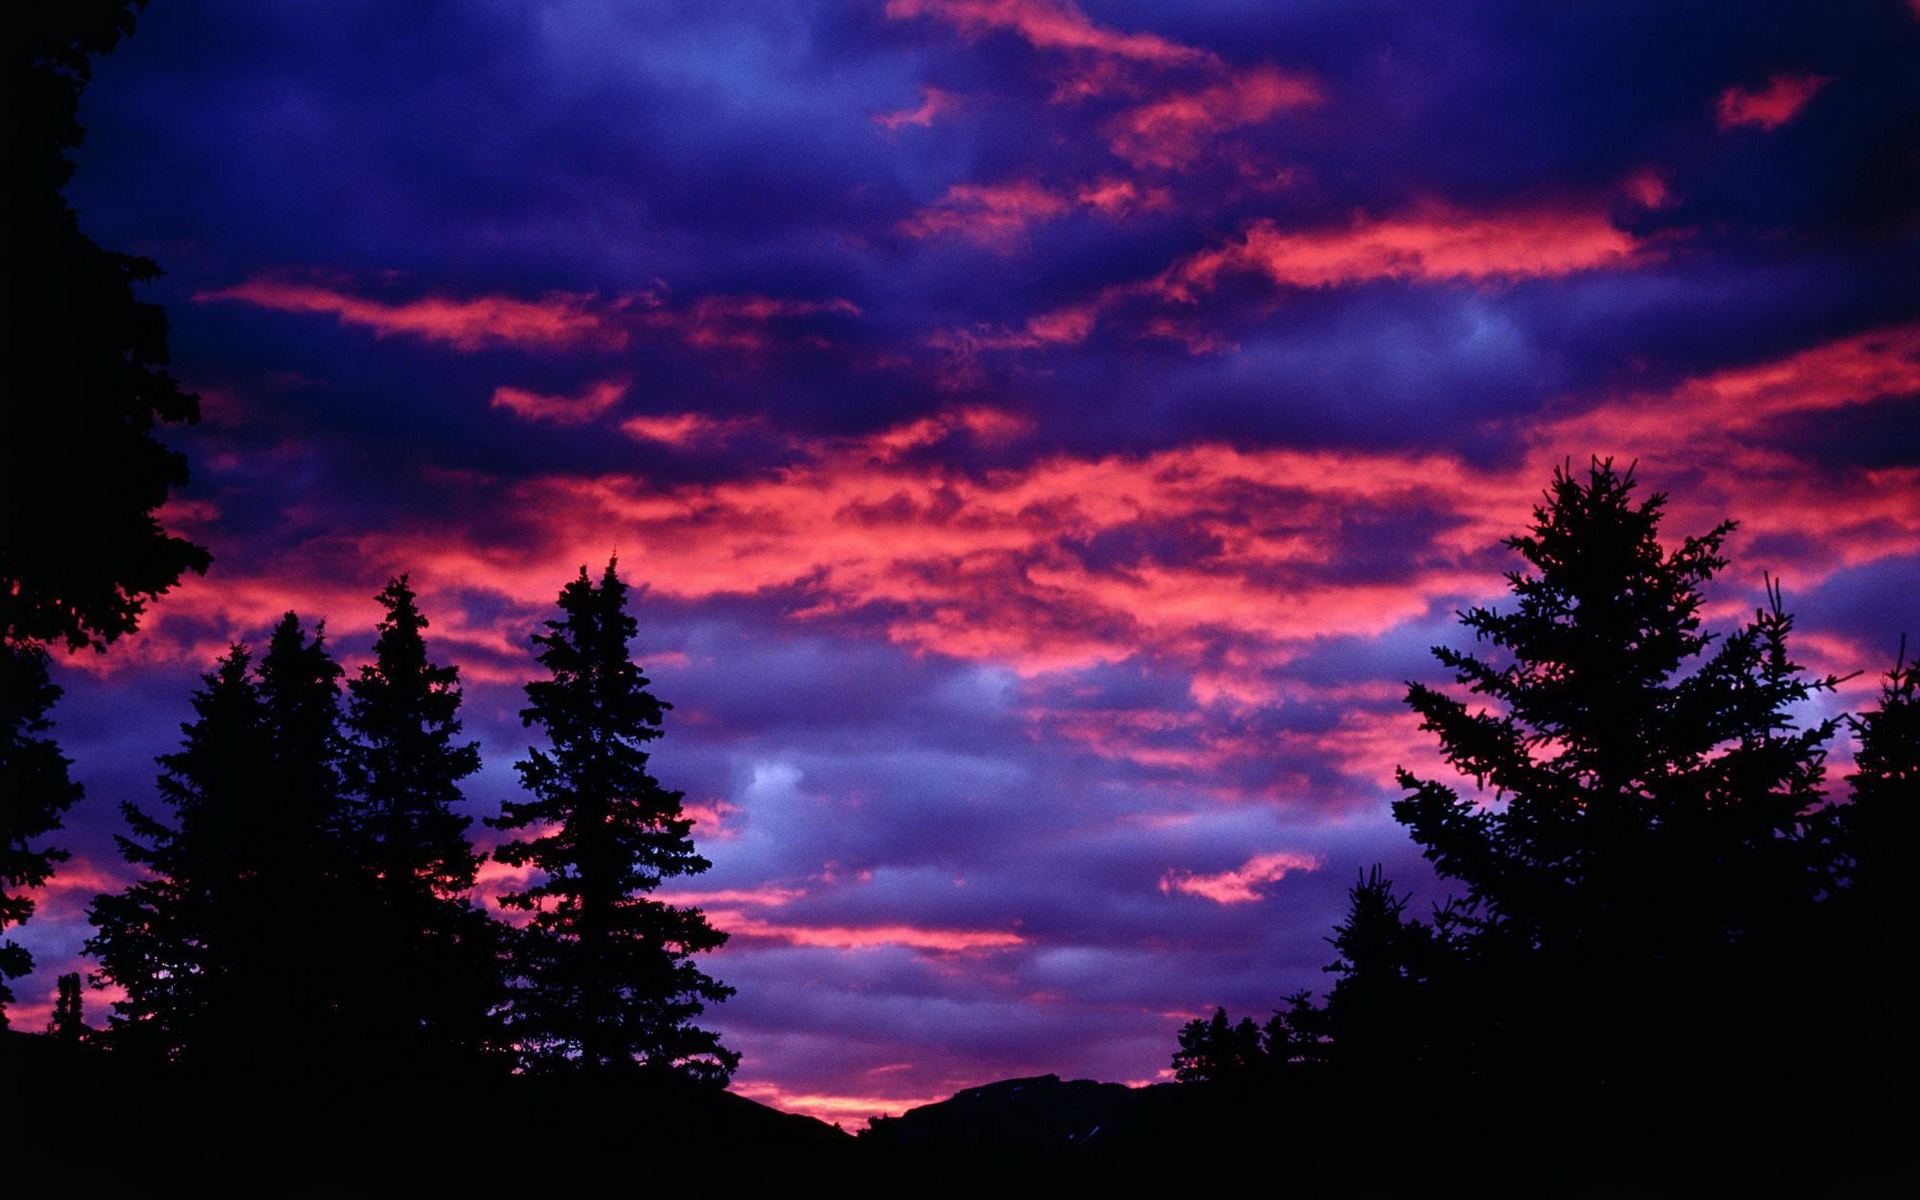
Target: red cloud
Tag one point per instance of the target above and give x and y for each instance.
(741, 324)
(557, 321)
(1045, 25)
(884, 531)
(1114, 198)
(993, 214)
(1239, 886)
(1173, 131)
(934, 103)
(861, 937)
(1430, 243)
(1769, 106)
(561, 410)
(680, 430)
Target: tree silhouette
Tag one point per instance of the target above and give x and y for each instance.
(35, 789)
(429, 951)
(175, 941)
(606, 979)
(1871, 939)
(1657, 796)
(1379, 1012)
(81, 475)
(236, 938)
(68, 1023)
(1218, 1050)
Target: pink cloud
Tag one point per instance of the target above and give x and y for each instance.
(1174, 130)
(561, 410)
(861, 937)
(1242, 885)
(681, 430)
(883, 531)
(1769, 106)
(993, 215)
(559, 320)
(1045, 25)
(1114, 198)
(934, 103)
(1430, 243)
(746, 324)
(1648, 188)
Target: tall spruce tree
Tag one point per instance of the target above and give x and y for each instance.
(426, 948)
(175, 941)
(1654, 796)
(605, 977)
(235, 941)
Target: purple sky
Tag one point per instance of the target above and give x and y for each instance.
(1050, 434)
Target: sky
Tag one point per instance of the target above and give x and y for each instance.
(1045, 436)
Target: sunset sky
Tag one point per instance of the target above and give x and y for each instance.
(1048, 434)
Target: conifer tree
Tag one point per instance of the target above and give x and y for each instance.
(68, 1023)
(429, 951)
(1656, 796)
(35, 789)
(236, 938)
(175, 941)
(1218, 1050)
(605, 974)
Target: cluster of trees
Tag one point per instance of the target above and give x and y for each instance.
(306, 895)
(310, 889)
(1658, 891)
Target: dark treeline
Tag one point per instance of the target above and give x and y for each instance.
(309, 888)
(1663, 931)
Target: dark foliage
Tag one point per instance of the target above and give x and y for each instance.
(430, 953)
(1650, 880)
(1656, 831)
(68, 1024)
(236, 938)
(81, 474)
(1218, 1049)
(35, 789)
(605, 974)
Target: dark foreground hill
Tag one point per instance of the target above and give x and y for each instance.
(113, 1124)
(108, 1120)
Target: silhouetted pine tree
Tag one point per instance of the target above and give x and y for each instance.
(1219, 1050)
(430, 953)
(35, 790)
(68, 1023)
(1379, 1013)
(1870, 938)
(1656, 791)
(176, 940)
(237, 941)
(605, 974)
